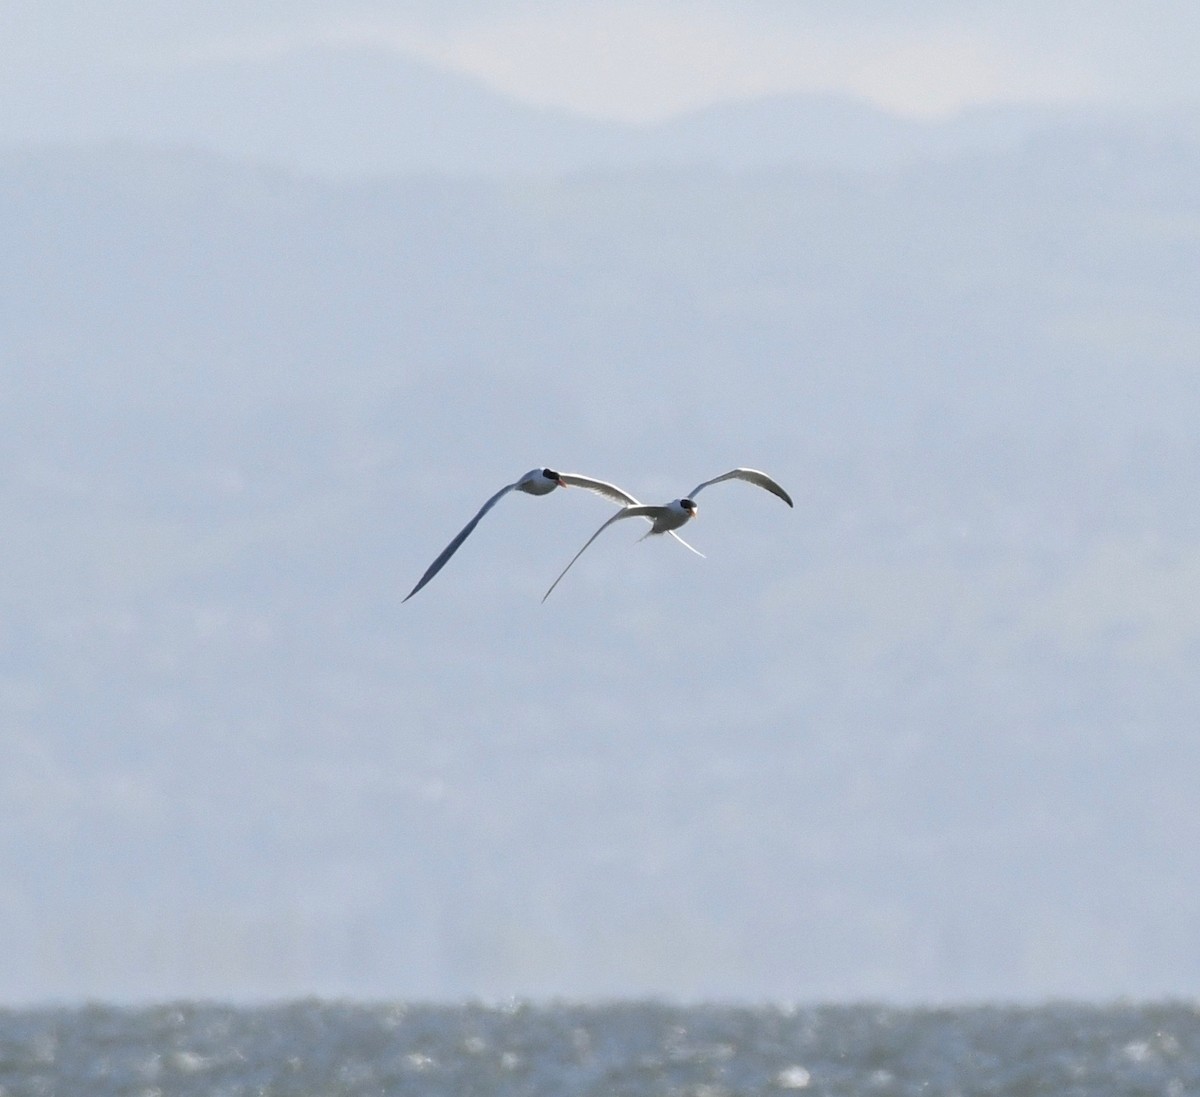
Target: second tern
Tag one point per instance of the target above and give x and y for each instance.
(671, 516)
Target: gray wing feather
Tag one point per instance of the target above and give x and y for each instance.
(751, 476)
(452, 548)
(600, 487)
(638, 511)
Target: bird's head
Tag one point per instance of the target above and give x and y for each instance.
(540, 482)
(690, 506)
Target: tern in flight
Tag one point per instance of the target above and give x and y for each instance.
(534, 482)
(670, 516)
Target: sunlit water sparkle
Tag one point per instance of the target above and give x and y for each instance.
(623, 1050)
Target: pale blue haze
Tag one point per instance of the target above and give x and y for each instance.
(271, 337)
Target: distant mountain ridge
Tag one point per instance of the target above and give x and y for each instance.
(348, 112)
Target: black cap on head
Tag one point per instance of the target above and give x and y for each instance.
(550, 474)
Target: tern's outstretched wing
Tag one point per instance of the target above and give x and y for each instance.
(452, 548)
(751, 476)
(609, 491)
(638, 511)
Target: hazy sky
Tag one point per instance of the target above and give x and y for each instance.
(930, 735)
(641, 59)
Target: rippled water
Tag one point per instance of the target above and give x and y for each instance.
(332, 1049)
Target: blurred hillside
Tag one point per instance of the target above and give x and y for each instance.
(931, 734)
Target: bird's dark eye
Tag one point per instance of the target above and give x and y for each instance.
(550, 474)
